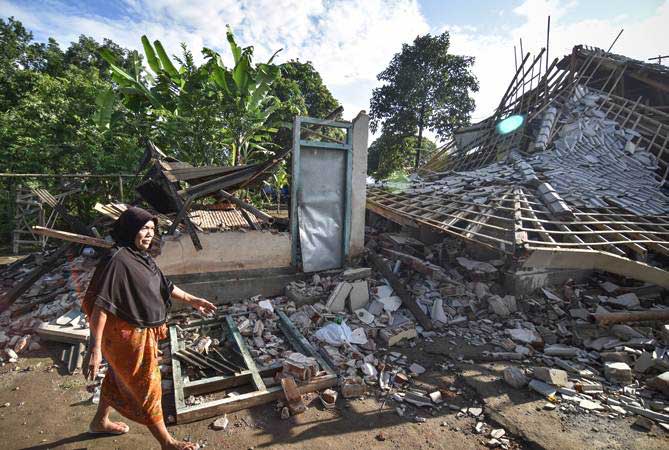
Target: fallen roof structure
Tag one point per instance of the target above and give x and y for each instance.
(581, 185)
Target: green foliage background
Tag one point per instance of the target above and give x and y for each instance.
(48, 115)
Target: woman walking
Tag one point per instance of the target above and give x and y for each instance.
(127, 303)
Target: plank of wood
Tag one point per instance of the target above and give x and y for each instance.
(244, 401)
(215, 384)
(605, 319)
(187, 359)
(176, 370)
(26, 282)
(422, 266)
(263, 217)
(71, 237)
(205, 361)
(399, 289)
(58, 333)
(293, 334)
(293, 396)
(248, 359)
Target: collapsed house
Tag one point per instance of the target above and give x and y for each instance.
(580, 185)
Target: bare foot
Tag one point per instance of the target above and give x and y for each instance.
(180, 445)
(107, 426)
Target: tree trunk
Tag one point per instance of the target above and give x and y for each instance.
(420, 135)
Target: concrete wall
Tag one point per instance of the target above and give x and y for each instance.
(225, 251)
(359, 184)
(229, 287)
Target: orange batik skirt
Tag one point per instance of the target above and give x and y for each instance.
(132, 383)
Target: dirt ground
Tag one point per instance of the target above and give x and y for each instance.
(48, 409)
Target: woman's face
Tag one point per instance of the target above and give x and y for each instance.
(145, 235)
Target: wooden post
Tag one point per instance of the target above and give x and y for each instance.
(120, 188)
(399, 289)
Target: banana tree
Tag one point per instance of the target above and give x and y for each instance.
(138, 86)
(247, 90)
(241, 94)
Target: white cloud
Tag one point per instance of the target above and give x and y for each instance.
(349, 42)
(493, 49)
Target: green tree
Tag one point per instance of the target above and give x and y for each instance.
(47, 103)
(302, 92)
(237, 99)
(425, 87)
(391, 153)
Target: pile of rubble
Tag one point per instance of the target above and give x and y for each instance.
(555, 342)
(54, 297)
(550, 337)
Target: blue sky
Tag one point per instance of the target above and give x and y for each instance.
(351, 41)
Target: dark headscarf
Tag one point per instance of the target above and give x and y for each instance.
(128, 225)
(127, 282)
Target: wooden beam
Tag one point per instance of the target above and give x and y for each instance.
(71, 237)
(175, 346)
(26, 282)
(399, 289)
(249, 400)
(248, 359)
(604, 319)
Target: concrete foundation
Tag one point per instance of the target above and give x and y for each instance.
(525, 281)
(224, 252)
(229, 287)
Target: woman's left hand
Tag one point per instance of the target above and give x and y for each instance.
(203, 306)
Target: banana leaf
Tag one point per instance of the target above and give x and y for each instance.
(105, 107)
(154, 63)
(167, 64)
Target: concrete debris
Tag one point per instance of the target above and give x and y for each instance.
(295, 403)
(497, 433)
(618, 372)
(476, 266)
(352, 387)
(525, 336)
(549, 334)
(561, 350)
(337, 301)
(416, 369)
(542, 388)
(220, 424)
(300, 367)
(436, 397)
(515, 377)
(329, 398)
(628, 301)
(391, 337)
(359, 295)
(555, 377)
(357, 273)
(590, 405)
(660, 383)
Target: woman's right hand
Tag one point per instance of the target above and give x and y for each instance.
(92, 363)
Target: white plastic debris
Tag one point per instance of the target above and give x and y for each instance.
(391, 304)
(335, 334)
(266, 305)
(364, 315)
(358, 336)
(437, 314)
